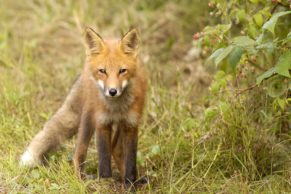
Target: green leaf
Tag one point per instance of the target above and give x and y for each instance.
(234, 56)
(284, 64)
(223, 28)
(223, 54)
(287, 39)
(252, 30)
(210, 114)
(265, 75)
(241, 15)
(215, 54)
(267, 46)
(243, 41)
(258, 18)
(246, 43)
(281, 103)
(276, 87)
(155, 150)
(270, 25)
(220, 29)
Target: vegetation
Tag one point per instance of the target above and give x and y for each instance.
(218, 109)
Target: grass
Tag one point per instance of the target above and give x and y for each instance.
(191, 141)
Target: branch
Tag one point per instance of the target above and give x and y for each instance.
(276, 6)
(246, 89)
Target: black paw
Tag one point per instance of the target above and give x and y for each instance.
(141, 181)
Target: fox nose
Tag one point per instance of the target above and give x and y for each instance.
(112, 92)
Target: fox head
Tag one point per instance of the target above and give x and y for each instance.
(112, 63)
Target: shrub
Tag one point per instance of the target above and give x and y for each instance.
(248, 114)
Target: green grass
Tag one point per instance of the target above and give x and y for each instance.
(184, 147)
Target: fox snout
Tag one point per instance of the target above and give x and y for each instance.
(112, 90)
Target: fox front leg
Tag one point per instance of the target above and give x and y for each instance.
(103, 138)
(130, 138)
(85, 133)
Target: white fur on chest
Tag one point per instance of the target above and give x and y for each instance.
(117, 111)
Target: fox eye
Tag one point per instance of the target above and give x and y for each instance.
(122, 71)
(102, 71)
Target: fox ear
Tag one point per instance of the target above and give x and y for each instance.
(94, 42)
(129, 43)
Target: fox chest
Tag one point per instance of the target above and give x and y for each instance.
(105, 118)
(119, 110)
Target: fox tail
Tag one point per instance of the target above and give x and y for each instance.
(63, 125)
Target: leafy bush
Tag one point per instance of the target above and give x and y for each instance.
(248, 128)
(253, 41)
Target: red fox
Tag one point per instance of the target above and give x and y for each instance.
(109, 93)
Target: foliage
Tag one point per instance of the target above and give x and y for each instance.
(254, 37)
(249, 128)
